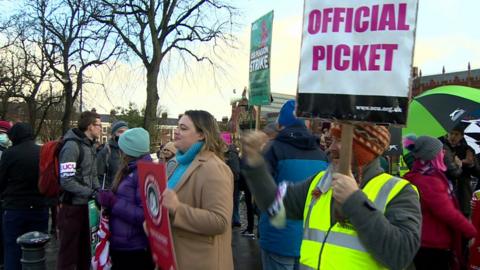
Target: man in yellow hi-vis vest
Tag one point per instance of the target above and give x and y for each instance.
(365, 220)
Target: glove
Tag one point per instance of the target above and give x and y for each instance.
(106, 198)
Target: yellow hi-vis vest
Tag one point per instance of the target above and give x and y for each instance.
(328, 247)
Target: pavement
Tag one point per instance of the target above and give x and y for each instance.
(246, 253)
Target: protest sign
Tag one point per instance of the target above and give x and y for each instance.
(153, 179)
(356, 60)
(259, 75)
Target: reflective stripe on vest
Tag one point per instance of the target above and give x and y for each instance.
(338, 246)
(335, 238)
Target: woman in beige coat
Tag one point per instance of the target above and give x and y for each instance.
(199, 196)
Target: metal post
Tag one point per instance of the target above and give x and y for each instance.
(33, 250)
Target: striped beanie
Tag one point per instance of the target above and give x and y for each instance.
(369, 141)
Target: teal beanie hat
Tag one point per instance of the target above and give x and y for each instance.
(135, 142)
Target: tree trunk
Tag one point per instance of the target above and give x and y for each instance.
(67, 114)
(32, 114)
(4, 110)
(150, 117)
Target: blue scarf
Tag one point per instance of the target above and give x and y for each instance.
(184, 160)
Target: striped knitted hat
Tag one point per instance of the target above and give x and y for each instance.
(369, 141)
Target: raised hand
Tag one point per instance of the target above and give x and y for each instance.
(252, 143)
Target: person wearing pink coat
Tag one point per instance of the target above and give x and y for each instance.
(443, 225)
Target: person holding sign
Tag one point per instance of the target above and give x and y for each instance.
(377, 222)
(199, 196)
(129, 248)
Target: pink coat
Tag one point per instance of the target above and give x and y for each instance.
(442, 221)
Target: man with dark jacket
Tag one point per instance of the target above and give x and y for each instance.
(78, 178)
(233, 161)
(5, 126)
(24, 207)
(108, 159)
(464, 157)
(292, 156)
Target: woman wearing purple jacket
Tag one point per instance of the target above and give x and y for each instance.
(129, 248)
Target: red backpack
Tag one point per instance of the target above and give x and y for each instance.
(49, 180)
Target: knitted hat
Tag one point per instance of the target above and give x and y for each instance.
(5, 126)
(369, 141)
(287, 116)
(135, 142)
(118, 125)
(424, 147)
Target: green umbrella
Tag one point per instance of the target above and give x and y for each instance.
(438, 110)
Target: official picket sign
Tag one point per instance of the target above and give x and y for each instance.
(356, 60)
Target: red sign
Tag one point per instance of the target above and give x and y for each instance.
(153, 182)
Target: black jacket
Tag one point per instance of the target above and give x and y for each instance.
(109, 160)
(19, 168)
(233, 161)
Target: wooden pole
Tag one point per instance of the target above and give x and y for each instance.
(346, 150)
(345, 162)
(257, 118)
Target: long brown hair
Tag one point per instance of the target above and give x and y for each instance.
(122, 171)
(205, 123)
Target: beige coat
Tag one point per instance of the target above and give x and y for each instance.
(201, 225)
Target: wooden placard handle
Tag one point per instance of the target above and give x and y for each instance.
(346, 149)
(257, 118)
(345, 162)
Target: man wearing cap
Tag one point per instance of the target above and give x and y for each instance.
(365, 220)
(108, 159)
(292, 156)
(464, 156)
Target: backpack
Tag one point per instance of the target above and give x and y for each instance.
(49, 180)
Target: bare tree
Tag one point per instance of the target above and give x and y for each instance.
(11, 79)
(72, 43)
(28, 72)
(152, 29)
(52, 126)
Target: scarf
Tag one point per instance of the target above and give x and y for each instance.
(183, 160)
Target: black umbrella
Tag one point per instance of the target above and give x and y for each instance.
(437, 111)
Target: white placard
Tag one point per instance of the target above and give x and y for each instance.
(357, 47)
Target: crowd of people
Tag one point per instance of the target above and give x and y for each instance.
(311, 216)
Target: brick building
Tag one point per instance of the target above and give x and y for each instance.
(469, 77)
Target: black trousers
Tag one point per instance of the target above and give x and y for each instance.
(128, 260)
(432, 258)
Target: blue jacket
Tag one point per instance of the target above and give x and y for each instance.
(126, 217)
(293, 156)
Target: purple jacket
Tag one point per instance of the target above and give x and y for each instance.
(126, 217)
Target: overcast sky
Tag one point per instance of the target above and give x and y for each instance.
(448, 34)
